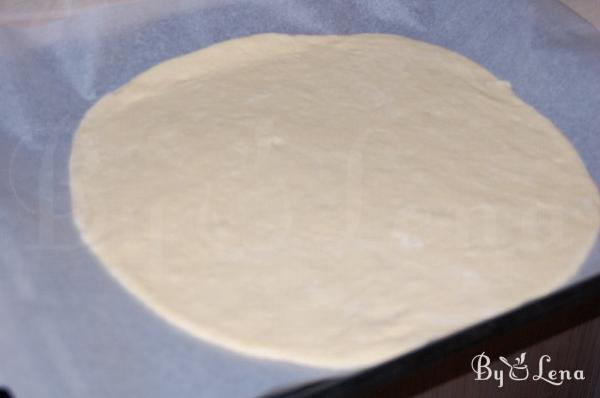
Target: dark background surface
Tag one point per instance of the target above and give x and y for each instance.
(571, 336)
(565, 326)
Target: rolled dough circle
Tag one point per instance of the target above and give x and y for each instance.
(328, 200)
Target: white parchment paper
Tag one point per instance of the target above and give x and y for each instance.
(66, 328)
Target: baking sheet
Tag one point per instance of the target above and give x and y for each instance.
(66, 328)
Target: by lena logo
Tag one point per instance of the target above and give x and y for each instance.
(518, 370)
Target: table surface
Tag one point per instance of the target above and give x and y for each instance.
(589, 9)
(38, 11)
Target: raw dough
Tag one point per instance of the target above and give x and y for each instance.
(329, 200)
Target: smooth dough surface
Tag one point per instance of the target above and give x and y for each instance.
(328, 200)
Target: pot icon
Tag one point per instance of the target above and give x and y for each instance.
(519, 371)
